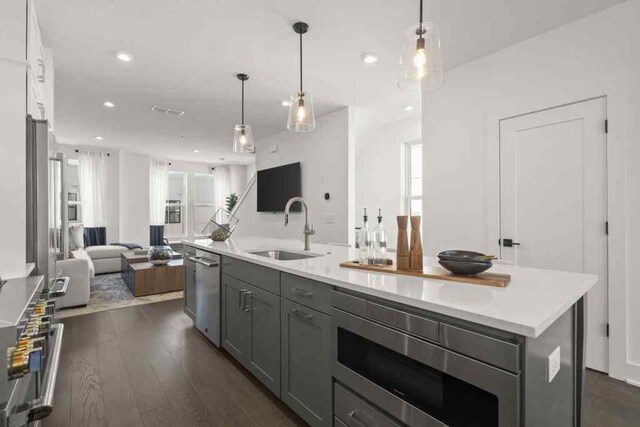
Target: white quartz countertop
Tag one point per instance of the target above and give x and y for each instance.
(531, 302)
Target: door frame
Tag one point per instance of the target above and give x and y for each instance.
(616, 164)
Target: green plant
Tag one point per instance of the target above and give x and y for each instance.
(231, 201)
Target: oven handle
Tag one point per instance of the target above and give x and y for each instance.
(43, 406)
(62, 291)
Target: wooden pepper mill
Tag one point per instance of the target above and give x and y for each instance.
(402, 249)
(415, 253)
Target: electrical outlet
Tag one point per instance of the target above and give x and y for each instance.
(330, 219)
(553, 364)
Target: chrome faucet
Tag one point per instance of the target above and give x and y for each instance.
(308, 231)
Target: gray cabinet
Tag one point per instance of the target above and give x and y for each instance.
(190, 288)
(234, 318)
(263, 352)
(306, 362)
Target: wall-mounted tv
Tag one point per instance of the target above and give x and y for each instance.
(277, 185)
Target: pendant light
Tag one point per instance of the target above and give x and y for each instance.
(421, 63)
(242, 137)
(301, 116)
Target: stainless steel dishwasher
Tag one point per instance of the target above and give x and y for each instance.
(208, 295)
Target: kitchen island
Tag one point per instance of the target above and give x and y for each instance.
(350, 347)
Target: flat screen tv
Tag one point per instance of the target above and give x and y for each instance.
(277, 185)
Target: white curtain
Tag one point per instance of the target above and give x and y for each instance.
(223, 185)
(158, 188)
(92, 177)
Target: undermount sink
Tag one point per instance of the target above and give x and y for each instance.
(284, 255)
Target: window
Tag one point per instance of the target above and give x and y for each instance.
(73, 195)
(204, 191)
(413, 198)
(175, 213)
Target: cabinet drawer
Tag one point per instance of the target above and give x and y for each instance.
(316, 295)
(499, 353)
(338, 423)
(256, 275)
(355, 412)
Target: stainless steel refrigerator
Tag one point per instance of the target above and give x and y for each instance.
(47, 203)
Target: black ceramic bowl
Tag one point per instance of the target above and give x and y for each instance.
(464, 256)
(465, 268)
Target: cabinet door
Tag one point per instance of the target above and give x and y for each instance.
(190, 289)
(234, 317)
(263, 355)
(306, 363)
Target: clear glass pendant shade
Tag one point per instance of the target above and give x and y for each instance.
(243, 139)
(301, 114)
(421, 65)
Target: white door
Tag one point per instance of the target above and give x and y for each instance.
(553, 201)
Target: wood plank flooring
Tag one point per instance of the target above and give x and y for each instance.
(147, 366)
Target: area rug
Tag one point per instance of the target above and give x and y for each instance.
(108, 291)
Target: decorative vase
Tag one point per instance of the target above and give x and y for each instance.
(160, 255)
(402, 247)
(415, 252)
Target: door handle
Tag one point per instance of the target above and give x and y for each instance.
(247, 308)
(303, 292)
(509, 243)
(241, 299)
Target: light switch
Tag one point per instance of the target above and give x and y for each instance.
(554, 364)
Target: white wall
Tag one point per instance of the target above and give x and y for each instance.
(325, 158)
(380, 171)
(592, 57)
(133, 184)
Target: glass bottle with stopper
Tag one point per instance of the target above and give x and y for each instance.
(364, 254)
(379, 241)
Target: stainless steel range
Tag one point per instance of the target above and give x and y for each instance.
(31, 340)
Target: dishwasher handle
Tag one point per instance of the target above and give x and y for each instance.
(206, 262)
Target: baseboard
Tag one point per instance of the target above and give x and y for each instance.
(633, 374)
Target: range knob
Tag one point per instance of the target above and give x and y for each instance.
(25, 357)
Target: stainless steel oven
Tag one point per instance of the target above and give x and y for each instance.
(30, 341)
(421, 371)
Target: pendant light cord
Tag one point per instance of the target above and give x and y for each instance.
(301, 63)
(420, 15)
(242, 102)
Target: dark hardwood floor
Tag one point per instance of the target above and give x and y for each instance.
(147, 366)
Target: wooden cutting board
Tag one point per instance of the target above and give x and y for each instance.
(428, 272)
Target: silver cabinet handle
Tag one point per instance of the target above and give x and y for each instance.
(247, 308)
(304, 292)
(241, 298)
(353, 416)
(302, 314)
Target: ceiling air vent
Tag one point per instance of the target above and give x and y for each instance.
(167, 110)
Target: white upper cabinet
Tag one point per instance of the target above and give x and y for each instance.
(12, 30)
(39, 105)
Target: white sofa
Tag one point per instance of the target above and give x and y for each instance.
(80, 272)
(105, 258)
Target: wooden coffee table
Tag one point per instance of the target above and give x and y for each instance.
(144, 278)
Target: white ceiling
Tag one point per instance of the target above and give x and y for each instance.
(187, 52)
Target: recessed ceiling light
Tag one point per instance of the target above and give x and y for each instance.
(408, 108)
(369, 58)
(286, 103)
(98, 137)
(109, 104)
(124, 57)
(195, 150)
